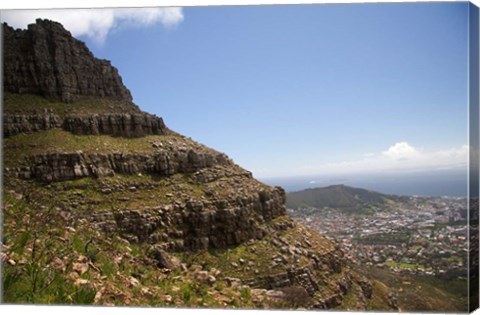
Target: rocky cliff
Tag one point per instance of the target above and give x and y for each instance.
(123, 125)
(46, 60)
(15, 124)
(114, 124)
(120, 203)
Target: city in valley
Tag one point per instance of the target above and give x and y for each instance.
(419, 235)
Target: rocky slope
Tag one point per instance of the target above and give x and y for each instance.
(106, 205)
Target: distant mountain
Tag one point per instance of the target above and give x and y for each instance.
(345, 198)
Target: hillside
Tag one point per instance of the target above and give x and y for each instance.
(341, 197)
(105, 205)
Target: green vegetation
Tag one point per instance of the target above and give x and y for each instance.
(402, 265)
(56, 140)
(347, 199)
(248, 261)
(29, 103)
(48, 259)
(415, 293)
(382, 295)
(455, 259)
(350, 300)
(39, 257)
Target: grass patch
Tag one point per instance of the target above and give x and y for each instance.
(417, 293)
(402, 265)
(28, 103)
(57, 140)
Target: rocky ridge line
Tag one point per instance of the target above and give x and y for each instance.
(46, 60)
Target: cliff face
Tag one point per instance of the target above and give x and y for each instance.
(123, 125)
(46, 60)
(115, 124)
(15, 124)
(107, 172)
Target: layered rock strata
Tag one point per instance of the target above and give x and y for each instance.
(46, 60)
(61, 166)
(196, 225)
(15, 124)
(122, 125)
(128, 125)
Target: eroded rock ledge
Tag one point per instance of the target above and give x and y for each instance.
(15, 124)
(128, 125)
(61, 166)
(197, 225)
(123, 125)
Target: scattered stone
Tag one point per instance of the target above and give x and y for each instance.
(164, 260)
(195, 267)
(80, 268)
(202, 275)
(58, 264)
(146, 293)
(273, 294)
(233, 282)
(97, 297)
(211, 279)
(80, 281)
(134, 282)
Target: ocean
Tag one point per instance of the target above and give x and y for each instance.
(438, 183)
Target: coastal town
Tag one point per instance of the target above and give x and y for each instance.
(417, 235)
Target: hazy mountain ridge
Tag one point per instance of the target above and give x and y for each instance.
(341, 197)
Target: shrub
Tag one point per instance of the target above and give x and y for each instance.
(296, 296)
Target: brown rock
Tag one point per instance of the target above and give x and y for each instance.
(164, 260)
(46, 60)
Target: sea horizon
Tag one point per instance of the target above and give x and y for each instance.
(452, 183)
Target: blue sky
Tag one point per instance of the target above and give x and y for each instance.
(303, 89)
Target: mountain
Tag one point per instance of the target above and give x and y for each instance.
(106, 205)
(341, 197)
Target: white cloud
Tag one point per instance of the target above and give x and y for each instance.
(400, 157)
(96, 23)
(401, 151)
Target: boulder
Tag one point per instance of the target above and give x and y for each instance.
(164, 260)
